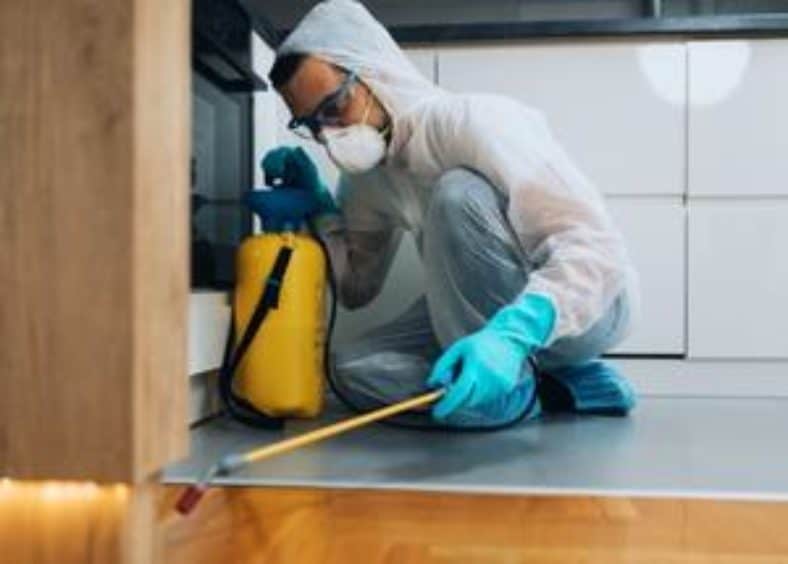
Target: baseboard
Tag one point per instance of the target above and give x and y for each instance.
(709, 378)
(651, 377)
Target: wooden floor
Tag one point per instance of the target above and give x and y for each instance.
(245, 525)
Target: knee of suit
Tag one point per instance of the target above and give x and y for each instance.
(460, 197)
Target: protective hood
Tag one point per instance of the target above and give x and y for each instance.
(345, 34)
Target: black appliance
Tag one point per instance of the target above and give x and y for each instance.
(223, 81)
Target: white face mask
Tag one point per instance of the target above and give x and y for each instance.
(357, 148)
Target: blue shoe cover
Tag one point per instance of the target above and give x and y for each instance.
(594, 388)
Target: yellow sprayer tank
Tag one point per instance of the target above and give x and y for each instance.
(282, 372)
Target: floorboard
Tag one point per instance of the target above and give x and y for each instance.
(246, 525)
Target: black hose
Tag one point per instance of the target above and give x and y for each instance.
(329, 368)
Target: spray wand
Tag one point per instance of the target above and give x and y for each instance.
(234, 462)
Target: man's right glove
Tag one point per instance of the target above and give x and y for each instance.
(291, 167)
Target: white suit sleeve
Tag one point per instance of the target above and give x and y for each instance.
(362, 242)
(559, 217)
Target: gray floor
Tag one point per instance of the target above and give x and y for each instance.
(728, 448)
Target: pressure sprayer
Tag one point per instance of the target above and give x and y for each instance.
(275, 355)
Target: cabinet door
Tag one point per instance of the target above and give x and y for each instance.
(738, 134)
(738, 279)
(655, 232)
(209, 316)
(618, 109)
(424, 59)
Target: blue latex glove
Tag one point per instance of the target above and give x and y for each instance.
(291, 167)
(486, 366)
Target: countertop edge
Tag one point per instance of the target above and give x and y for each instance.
(700, 26)
(761, 25)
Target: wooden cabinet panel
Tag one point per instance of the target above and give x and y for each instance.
(94, 224)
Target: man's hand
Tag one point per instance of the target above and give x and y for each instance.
(291, 167)
(482, 368)
(476, 370)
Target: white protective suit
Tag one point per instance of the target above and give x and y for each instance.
(576, 254)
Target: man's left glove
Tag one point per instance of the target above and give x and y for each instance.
(485, 366)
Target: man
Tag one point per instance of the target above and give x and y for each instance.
(527, 279)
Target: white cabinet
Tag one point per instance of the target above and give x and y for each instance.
(655, 232)
(618, 108)
(738, 119)
(424, 59)
(209, 316)
(738, 181)
(738, 279)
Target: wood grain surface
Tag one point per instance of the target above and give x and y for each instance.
(77, 523)
(94, 146)
(246, 525)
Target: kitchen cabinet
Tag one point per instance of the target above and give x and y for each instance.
(209, 316)
(738, 279)
(738, 118)
(94, 224)
(655, 232)
(618, 108)
(424, 59)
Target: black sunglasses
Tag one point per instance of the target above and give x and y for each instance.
(327, 113)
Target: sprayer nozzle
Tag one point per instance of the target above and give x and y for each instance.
(189, 499)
